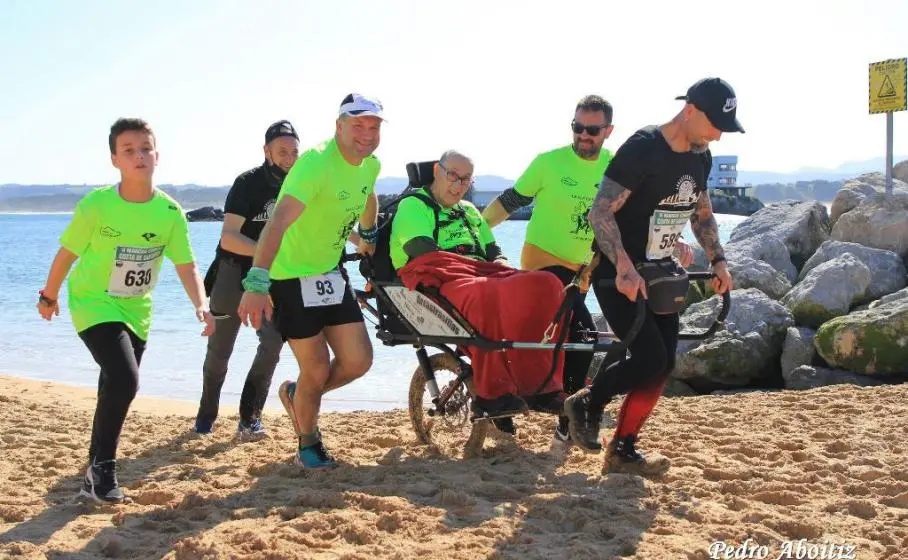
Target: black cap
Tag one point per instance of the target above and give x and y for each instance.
(278, 129)
(716, 98)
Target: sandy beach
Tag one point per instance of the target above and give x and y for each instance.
(828, 466)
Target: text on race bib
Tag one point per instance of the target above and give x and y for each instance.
(324, 289)
(665, 227)
(135, 271)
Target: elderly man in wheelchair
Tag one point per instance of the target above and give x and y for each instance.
(438, 238)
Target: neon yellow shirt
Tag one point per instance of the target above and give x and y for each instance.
(120, 246)
(564, 185)
(335, 195)
(459, 226)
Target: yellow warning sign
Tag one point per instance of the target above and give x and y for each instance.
(889, 85)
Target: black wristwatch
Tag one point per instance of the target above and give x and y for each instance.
(717, 260)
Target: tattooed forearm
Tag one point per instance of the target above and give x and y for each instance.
(610, 198)
(703, 224)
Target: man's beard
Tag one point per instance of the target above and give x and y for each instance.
(584, 152)
(698, 148)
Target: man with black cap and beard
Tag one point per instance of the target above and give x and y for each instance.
(249, 205)
(653, 187)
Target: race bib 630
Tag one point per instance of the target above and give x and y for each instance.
(135, 271)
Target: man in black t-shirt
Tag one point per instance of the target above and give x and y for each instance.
(249, 205)
(653, 187)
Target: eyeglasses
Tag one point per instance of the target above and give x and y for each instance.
(455, 178)
(591, 129)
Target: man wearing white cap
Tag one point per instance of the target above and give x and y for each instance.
(297, 262)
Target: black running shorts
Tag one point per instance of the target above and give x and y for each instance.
(295, 320)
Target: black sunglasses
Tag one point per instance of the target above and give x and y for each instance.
(591, 129)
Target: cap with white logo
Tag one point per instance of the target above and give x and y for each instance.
(358, 105)
(716, 98)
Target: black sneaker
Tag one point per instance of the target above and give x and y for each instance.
(621, 456)
(584, 421)
(100, 483)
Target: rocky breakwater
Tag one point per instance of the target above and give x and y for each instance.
(205, 214)
(820, 298)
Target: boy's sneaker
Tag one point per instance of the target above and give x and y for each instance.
(203, 426)
(314, 456)
(285, 392)
(621, 456)
(100, 483)
(250, 431)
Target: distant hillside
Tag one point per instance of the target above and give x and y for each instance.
(845, 171)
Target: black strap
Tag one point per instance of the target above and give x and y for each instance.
(562, 317)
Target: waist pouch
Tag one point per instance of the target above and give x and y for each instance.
(666, 286)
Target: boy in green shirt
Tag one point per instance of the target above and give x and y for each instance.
(120, 234)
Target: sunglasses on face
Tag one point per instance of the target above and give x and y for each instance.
(591, 129)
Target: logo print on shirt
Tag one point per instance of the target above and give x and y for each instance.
(580, 219)
(149, 236)
(108, 231)
(343, 195)
(685, 192)
(345, 230)
(569, 181)
(365, 189)
(266, 212)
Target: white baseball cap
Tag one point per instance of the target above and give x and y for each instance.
(358, 105)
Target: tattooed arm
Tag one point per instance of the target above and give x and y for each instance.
(610, 198)
(705, 229)
(703, 224)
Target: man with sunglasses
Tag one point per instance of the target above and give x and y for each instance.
(563, 183)
(654, 187)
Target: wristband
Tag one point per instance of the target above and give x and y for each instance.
(44, 299)
(257, 281)
(369, 235)
(717, 260)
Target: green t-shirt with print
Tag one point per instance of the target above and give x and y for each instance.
(564, 186)
(335, 194)
(462, 229)
(121, 246)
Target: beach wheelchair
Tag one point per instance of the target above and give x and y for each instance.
(440, 398)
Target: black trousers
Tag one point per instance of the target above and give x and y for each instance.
(118, 351)
(652, 352)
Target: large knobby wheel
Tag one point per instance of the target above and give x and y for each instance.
(452, 431)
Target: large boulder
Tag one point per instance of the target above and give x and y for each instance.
(745, 350)
(801, 225)
(900, 171)
(901, 295)
(887, 270)
(854, 192)
(798, 349)
(738, 205)
(873, 341)
(828, 291)
(811, 377)
(879, 221)
(749, 273)
(768, 249)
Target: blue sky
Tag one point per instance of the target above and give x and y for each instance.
(495, 79)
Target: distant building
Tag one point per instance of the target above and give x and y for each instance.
(724, 176)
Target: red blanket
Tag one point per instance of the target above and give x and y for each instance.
(502, 303)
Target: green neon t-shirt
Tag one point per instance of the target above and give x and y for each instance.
(335, 194)
(460, 227)
(121, 246)
(564, 185)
